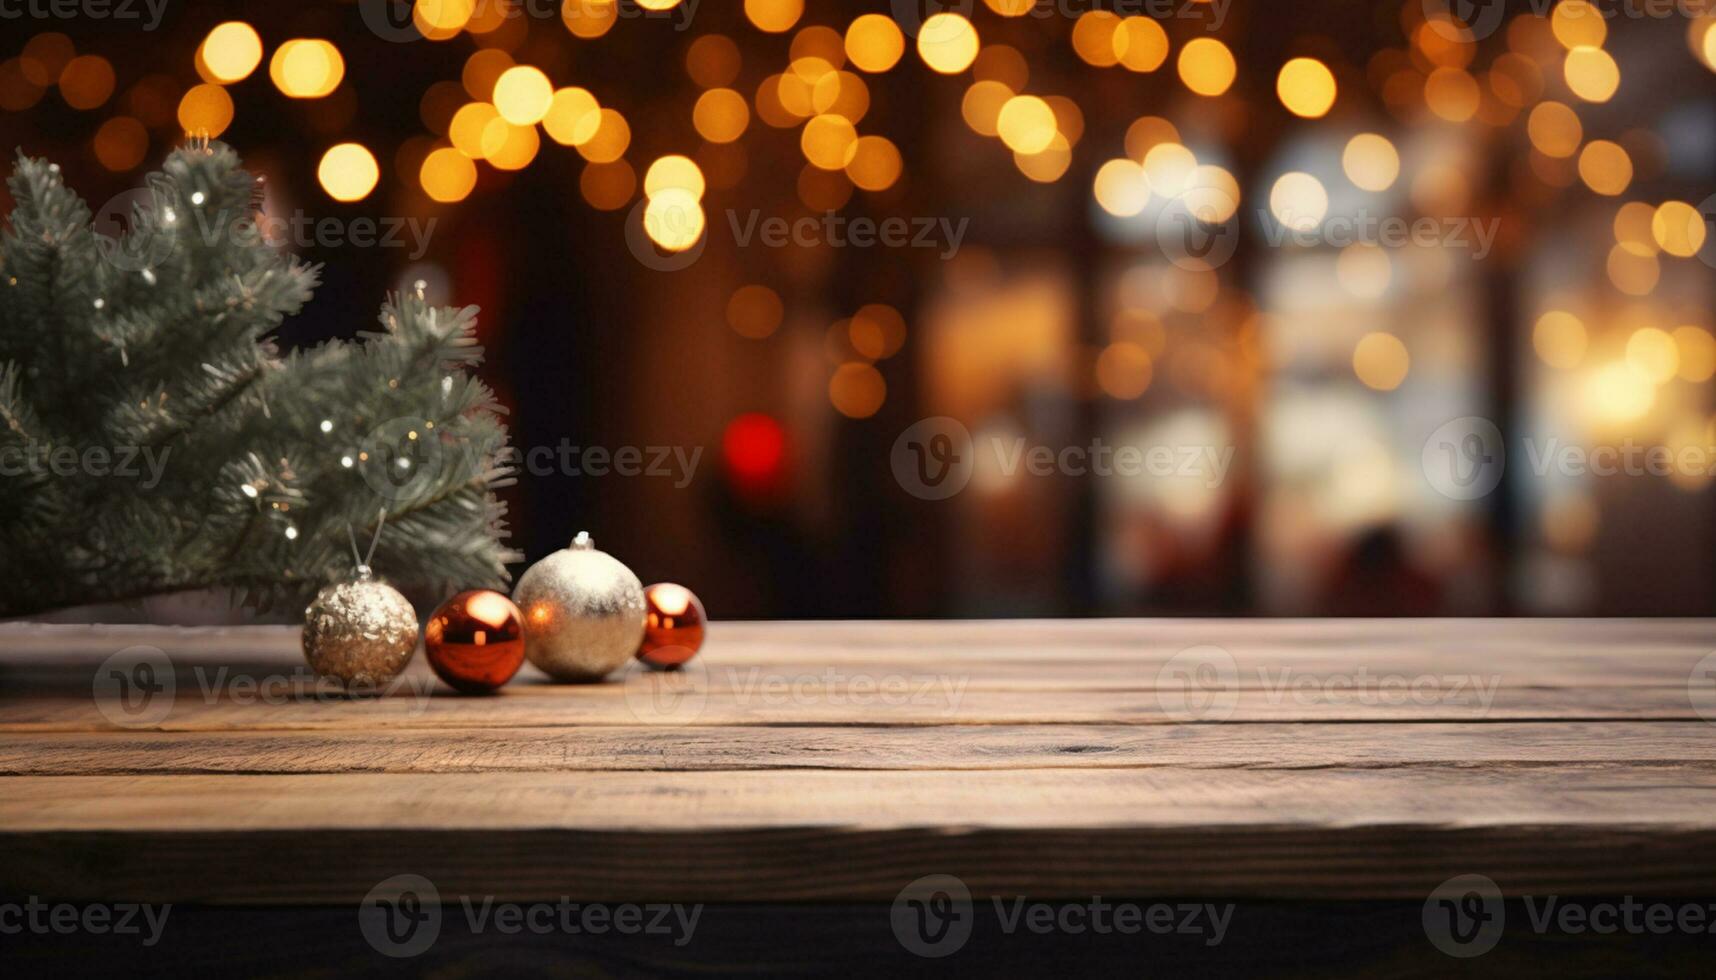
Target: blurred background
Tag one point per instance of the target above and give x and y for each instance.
(1384, 295)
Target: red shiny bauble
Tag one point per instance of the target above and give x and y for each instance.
(673, 626)
(475, 641)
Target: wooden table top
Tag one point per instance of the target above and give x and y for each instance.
(840, 761)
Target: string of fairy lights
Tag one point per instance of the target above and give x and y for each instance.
(502, 111)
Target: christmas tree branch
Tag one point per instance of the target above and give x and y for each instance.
(259, 461)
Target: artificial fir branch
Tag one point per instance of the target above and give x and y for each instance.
(158, 342)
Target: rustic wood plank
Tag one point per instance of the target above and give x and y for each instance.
(1000, 747)
(929, 703)
(1099, 653)
(1040, 757)
(762, 836)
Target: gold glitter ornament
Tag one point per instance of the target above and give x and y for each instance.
(583, 612)
(361, 633)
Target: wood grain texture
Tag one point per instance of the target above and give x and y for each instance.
(741, 836)
(995, 747)
(839, 761)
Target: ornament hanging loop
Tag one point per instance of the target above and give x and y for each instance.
(363, 567)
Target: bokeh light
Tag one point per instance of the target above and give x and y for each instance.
(947, 43)
(774, 16)
(874, 43)
(754, 311)
(522, 95)
(573, 116)
(1559, 339)
(306, 68)
(1371, 162)
(205, 110)
(1026, 124)
(1306, 87)
(720, 115)
(1298, 201)
(1207, 66)
(1381, 361)
(447, 175)
(348, 172)
(230, 52)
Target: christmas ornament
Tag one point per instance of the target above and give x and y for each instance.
(583, 612)
(673, 626)
(475, 641)
(362, 632)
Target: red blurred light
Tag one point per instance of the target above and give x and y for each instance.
(754, 449)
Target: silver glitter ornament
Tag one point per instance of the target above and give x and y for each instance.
(583, 612)
(361, 633)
